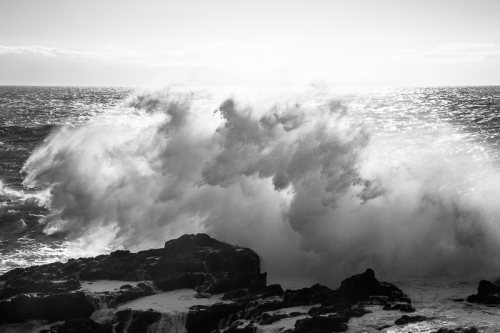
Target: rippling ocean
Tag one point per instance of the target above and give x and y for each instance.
(27, 117)
(86, 146)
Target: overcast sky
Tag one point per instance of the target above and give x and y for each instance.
(254, 42)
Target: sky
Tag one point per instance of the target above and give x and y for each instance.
(232, 42)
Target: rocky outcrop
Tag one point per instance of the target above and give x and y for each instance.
(320, 324)
(458, 330)
(405, 319)
(487, 293)
(79, 326)
(52, 308)
(54, 293)
(191, 261)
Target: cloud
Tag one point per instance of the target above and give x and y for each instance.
(223, 55)
(452, 52)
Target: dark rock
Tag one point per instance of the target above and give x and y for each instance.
(33, 285)
(135, 321)
(458, 330)
(355, 312)
(79, 326)
(307, 296)
(236, 294)
(362, 286)
(129, 294)
(487, 293)
(255, 308)
(319, 324)
(383, 327)
(198, 262)
(126, 286)
(405, 319)
(52, 308)
(191, 261)
(272, 290)
(458, 300)
(250, 328)
(201, 319)
(267, 319)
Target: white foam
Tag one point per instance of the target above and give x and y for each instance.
(100, 286)
(177, 301)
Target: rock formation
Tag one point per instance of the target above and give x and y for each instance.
(53, 293)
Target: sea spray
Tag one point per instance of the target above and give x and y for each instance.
(169, 323)
(318, 190)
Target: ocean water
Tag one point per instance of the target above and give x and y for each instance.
(322, 183)
(405, 180)
(27, 117)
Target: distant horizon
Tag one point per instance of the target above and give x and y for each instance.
(252, 86)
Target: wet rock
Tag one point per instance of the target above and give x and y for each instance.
(307, 296)
(383, 327)
(319, 324)
(198, 262)
(458, 330)
(33, 285)
(206, 318)
(130, 321)
(487, 293)
(79, 326)
(52, 308)
(364, 285)
(191, 261)
(250, 328)
(405, 319)
(267, 319)
(128, 294)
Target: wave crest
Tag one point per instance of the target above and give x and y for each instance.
(318, 191)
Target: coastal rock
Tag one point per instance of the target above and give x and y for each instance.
(202, 319)
(405, 319)
(306, 296)
(52, 308)
(487, 293)
(72, 295)
(458, 330)
(319, 324)
(79, 326)
(191, 261)
(364, 285)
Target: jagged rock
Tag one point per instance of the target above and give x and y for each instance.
(128, 294)
(362, 286)
(405, 319)
(198, 262)
(307, 296)
(383, 327)
(319, 324)
(458, 330)
(250, 328)
(52, 308)
(128, 321)
(191, 261)
(487, 293)
(267, 319)
(79, 326)
(205, 318)
(33, 285)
